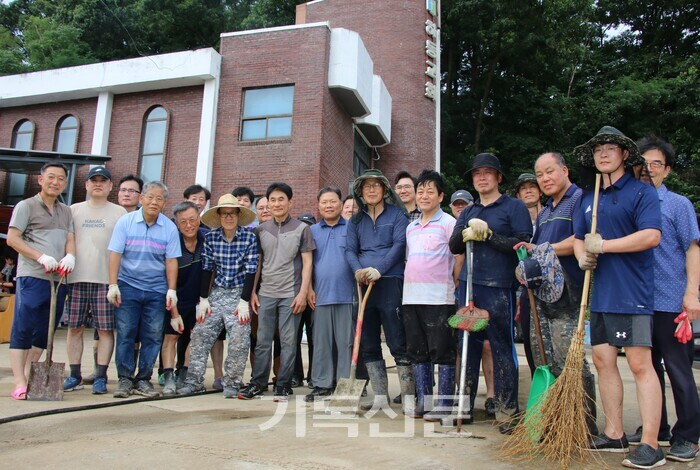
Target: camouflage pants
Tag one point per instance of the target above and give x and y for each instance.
(223, 303)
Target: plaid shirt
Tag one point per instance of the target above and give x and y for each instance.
(414, 215)
(232, 260)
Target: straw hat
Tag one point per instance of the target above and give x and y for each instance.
(245, 215)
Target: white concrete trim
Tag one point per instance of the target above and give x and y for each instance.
(103, 121)
(207, 133)
(277, 28)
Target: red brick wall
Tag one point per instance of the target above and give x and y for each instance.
(393, 32)
(319, 151)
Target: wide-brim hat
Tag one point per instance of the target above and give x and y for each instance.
(486, 160)
(611, 135)
(390, 195)
(543, 273)
(525, 178)
(245, 215)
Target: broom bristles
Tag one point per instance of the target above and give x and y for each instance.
(558, 433)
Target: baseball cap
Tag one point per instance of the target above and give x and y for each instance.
(99, 171)
(307, 218)
(461, 195)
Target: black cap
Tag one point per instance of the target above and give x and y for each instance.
(307, 218)
(99, 171)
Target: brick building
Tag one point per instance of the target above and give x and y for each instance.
(349, 86)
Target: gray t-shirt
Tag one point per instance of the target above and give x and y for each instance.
(44, 231)
(281, 248)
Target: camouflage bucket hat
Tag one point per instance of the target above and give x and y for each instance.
(608, 135)
(390, 195)
(525, 178)
(542, 272)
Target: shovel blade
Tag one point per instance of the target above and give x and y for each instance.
(346, 398)
(46, 381)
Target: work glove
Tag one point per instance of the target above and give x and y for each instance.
(684, 330)
(360, 275)
(66, 265)
(177, 324)
(203, 309)
(243, 312)
(171, 299)
(594, 243)
(48, 262)
(114, 297)
(373, 275)
(588, 262)
(468, 234)
(480, 227)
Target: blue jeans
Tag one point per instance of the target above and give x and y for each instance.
(140, 313)
(383, 311)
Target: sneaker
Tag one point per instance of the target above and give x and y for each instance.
(645, 456)
(72, 383)
(318, 393)
(490, 407)
(161, 379)
(231, 392)
(99, 386)
(125, 388)
(664, 438)
(297, 382)
(190, 389)
(218, 384)
(397, 399)
(251, 391)
(683, 451)
(281, 395)
(310, 384)
(143, 387)
(603, 443)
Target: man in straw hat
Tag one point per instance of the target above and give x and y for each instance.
(231, 251)
(495, 222)
(375, 250)
(622, 302)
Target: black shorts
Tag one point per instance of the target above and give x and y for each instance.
(621, 330)
(189, 318)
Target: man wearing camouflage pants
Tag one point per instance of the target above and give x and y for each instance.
(233, 251)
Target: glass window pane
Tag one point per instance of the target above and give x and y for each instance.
(268, 101)
(253, 130)
(69, 122)
(65, 142)
(23, 141)
(17, 183)
(26, 126)
(158, 113)
(279, 127)
(151, 166)
(154, 140)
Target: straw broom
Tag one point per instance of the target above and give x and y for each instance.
(559, 434)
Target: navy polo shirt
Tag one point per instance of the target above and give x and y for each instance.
(333, 279)
(555, 224)
(508, 217)
(189, 273)
(623, 282)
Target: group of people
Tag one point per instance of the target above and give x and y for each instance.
(248, 271)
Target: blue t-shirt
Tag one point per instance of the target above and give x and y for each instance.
(379, 244)
(622, 282)
(680, 230)
(555, 224)
(505, 216)
(333, 279)
(144, 249)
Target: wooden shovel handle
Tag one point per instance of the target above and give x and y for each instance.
(360, 319)
(587, 276)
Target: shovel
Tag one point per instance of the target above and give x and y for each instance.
(348, 392)
(46, 378)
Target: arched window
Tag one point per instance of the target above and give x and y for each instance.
(153, 144)
(66, 140)
(22, 139)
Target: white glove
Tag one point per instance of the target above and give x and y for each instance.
(243, 312)
(114, 297)
(360, 275)
(66, 265)
(373, 275)
(593, 243)
(588, 261)
(203, 309)
(468, 234)
(480, 227)
(177, 324)
(48, 262)
(171, 299)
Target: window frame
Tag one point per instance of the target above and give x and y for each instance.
(59, 128)
(13, 199)
(267, 117)
(144, 128)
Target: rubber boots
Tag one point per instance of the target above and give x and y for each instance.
(380, 385)
(407, 383)
(170, 387)
(423, 376)
(446, 392)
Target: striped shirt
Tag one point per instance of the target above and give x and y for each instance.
(144, 249)
(232, 260)
(429, 262)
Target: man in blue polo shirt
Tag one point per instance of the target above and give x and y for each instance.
(375, 250)
(676, 276)
(495, 222)
(622, 303)
(143, 268)
(331, 296)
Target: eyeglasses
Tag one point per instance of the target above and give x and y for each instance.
(656, 164)
(400, 187)
(228, 215)
(607, 148)
(372, 186)
(129, 190)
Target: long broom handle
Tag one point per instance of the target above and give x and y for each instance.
(538, 329)
(358, 325)
(587, 276)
